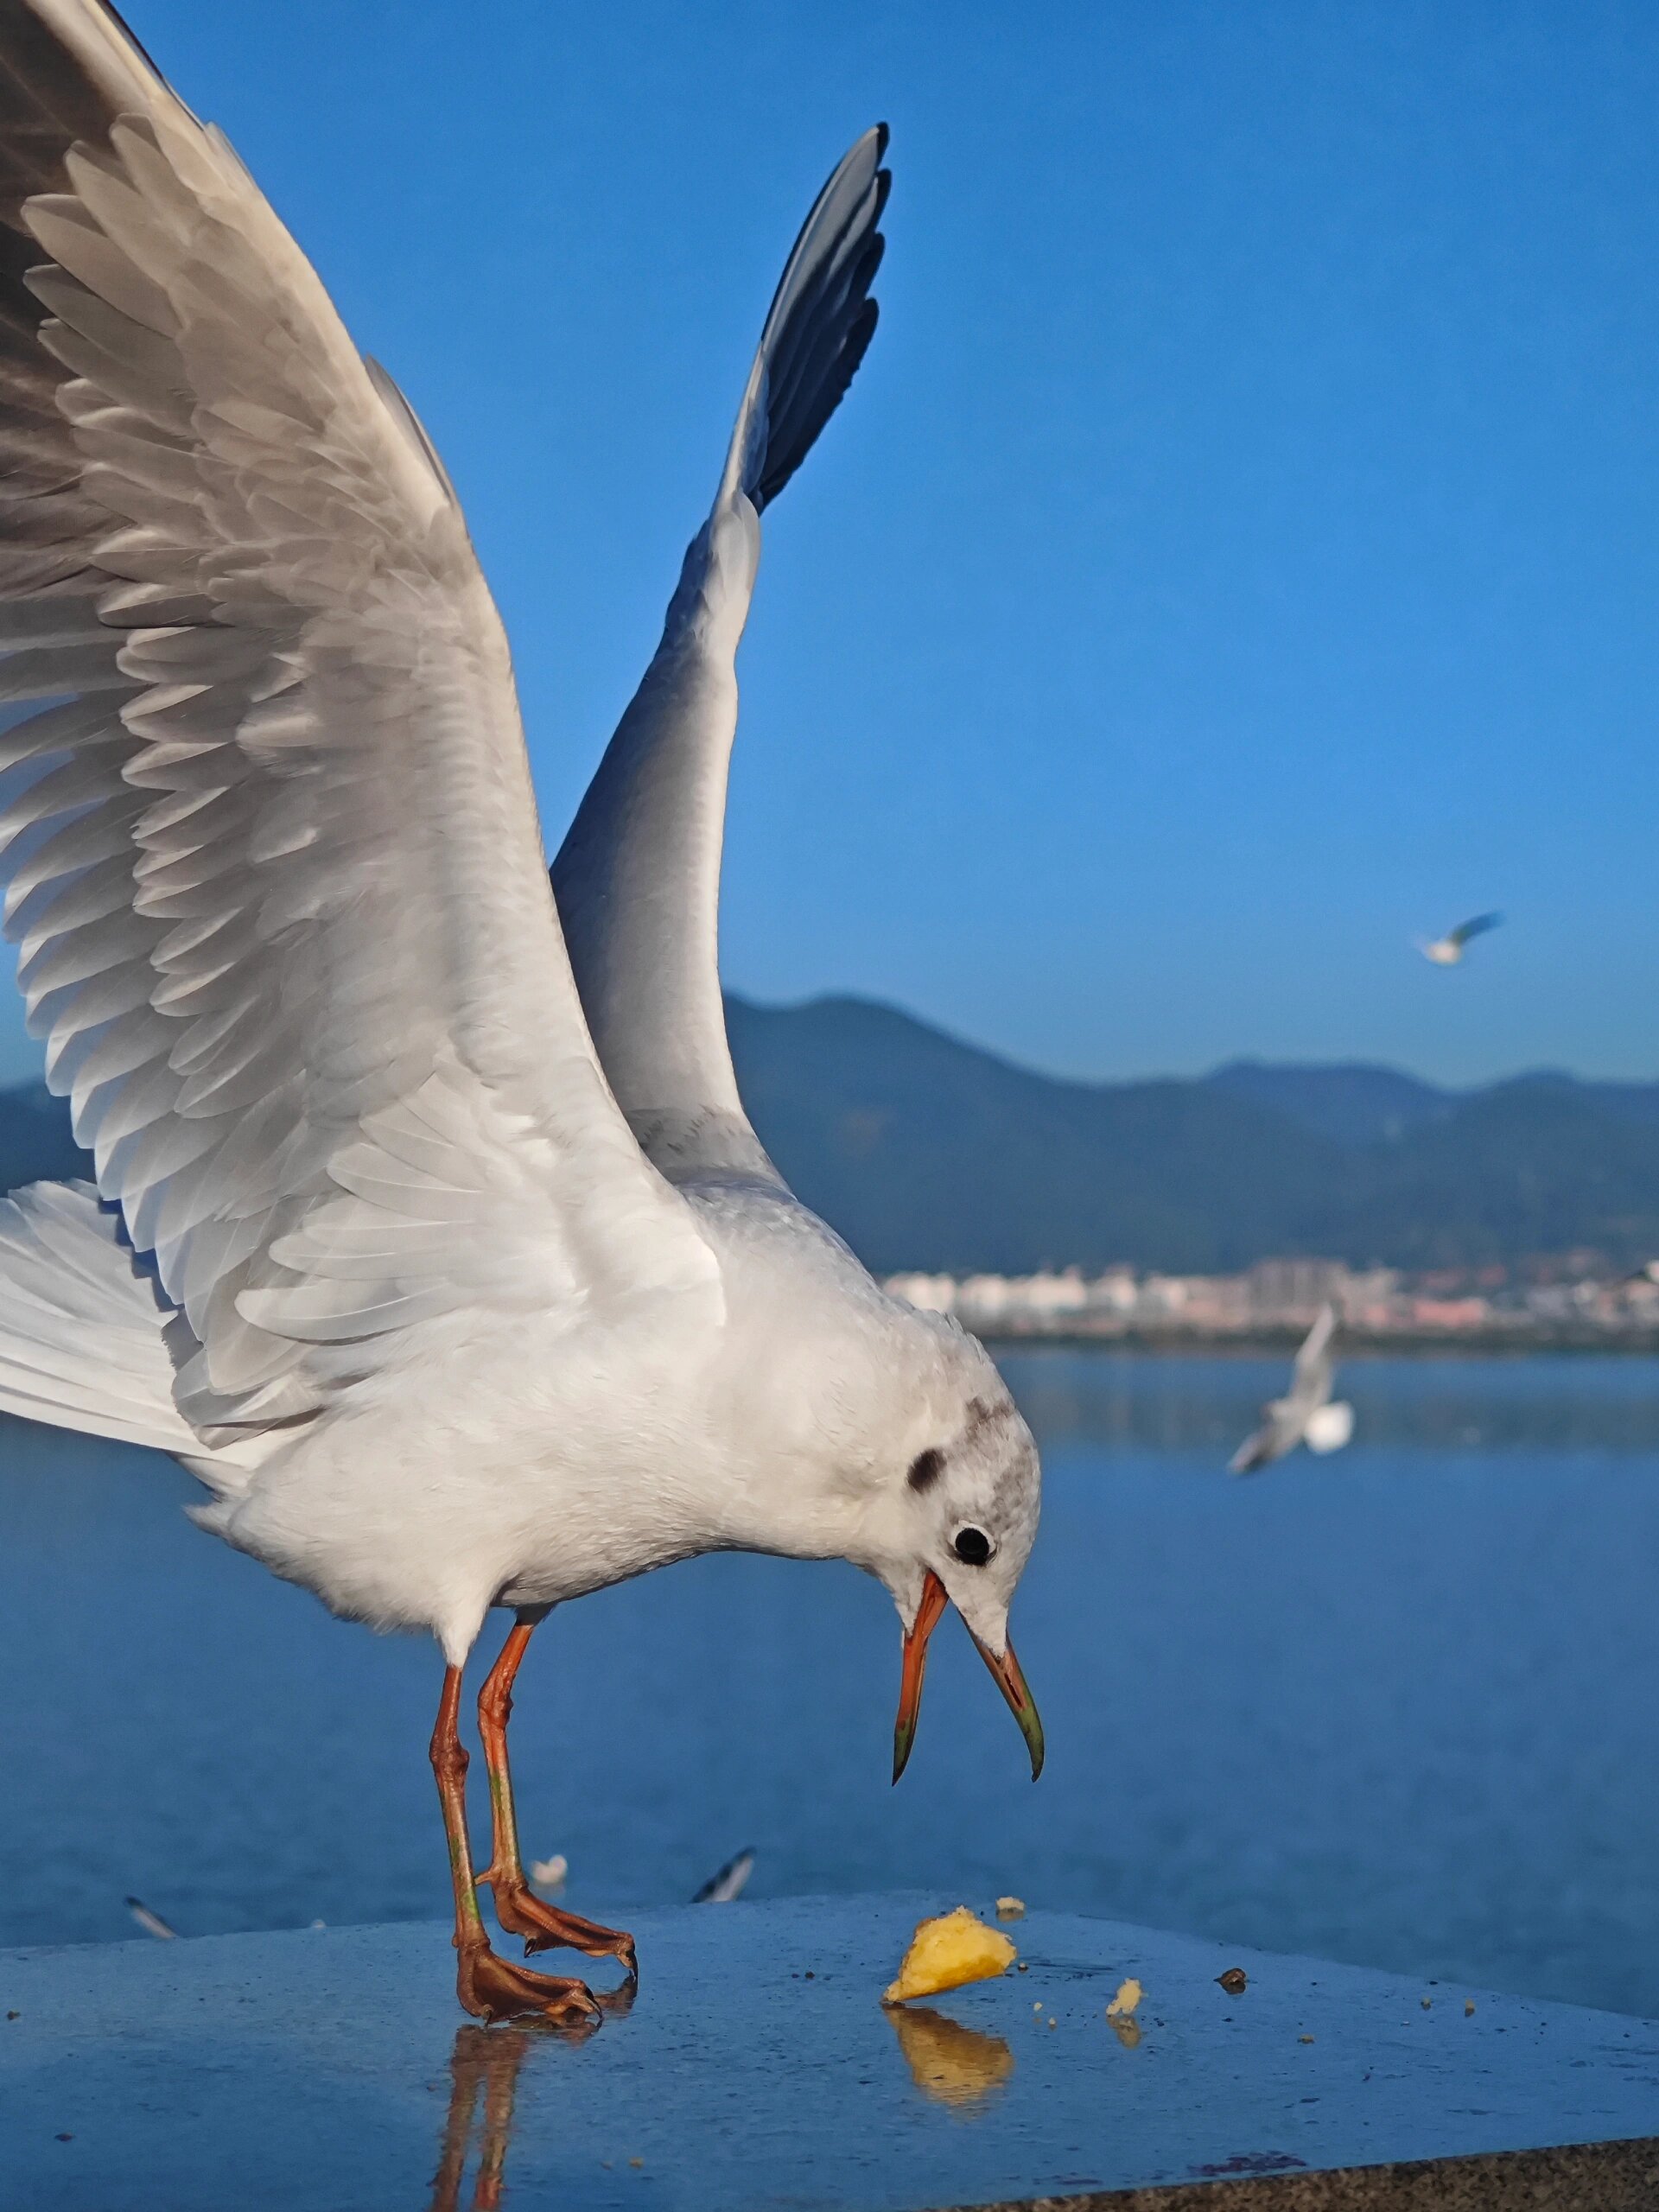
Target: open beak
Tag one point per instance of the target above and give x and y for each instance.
(1009, 1680)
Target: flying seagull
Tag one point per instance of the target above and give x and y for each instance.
(151, 1923)
(1446, 951)
(1306, 1415)
(730, 1882)
(429, 1230)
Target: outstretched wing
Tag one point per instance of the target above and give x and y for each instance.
(1271, 1441)
(1475, 926)
(638, 878)
(268, 836)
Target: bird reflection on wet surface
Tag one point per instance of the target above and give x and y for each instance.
(484, 2068)
(486, 2059)
(955, 2065)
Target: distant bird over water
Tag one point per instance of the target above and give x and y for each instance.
(430, 1232)
(151, 1923)
(1306, 1414)
(729, 1883)
(1446, 951)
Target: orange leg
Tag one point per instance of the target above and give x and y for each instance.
(488, 1986)
(518, 1907)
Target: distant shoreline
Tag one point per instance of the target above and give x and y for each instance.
(1351, 1343)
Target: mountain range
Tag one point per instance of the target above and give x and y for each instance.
(928, 1152)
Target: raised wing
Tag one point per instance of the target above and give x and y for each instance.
(638, 878)
(1475, 926)
(1313, 1368)
(268, 836)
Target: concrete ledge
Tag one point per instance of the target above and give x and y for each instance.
(758, 2071)
(1583, 2177)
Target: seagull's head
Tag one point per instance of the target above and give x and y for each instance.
(952, 1522)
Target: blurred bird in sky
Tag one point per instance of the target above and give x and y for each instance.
(1446, 951)
(1306, 1414)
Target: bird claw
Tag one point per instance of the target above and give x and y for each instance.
(491, 1988)
(545, 1928)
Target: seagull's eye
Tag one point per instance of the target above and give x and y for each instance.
(972, 1546)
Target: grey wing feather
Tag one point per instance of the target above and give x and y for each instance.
(1279, 1434)
(1312, 1373)
(637, 879)
(1475, 926)
(267, 838)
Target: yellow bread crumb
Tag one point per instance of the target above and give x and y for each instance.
(1010, 1907)
(1129, 1994)
(1468, 2007)
(947, 1952)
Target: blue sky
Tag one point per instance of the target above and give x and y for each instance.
(1239, 555)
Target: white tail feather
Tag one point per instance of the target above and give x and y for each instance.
(81, 1324)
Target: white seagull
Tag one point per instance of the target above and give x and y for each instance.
(1446, 951)
(430, 1236)
(1308, 1414)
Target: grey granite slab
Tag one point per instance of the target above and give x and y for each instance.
(758, 2072)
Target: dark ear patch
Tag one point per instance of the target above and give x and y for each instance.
(925, 1469)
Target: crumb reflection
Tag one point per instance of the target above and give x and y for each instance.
(955, 2065)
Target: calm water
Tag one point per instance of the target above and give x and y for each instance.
(1401, 1706)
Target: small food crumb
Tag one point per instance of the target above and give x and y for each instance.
(946, 1952)
(636, 2162)
(1129, 1994)
(1037, 2006)
(1303, 2038)
(1010, 1907)
(1023, 1967)
(1234, 1981)
(1052, 2022)
(1468, 2007)
(1428, 2003)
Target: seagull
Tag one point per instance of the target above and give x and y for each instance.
(1308, 1414)
(151, 1923)
(1446, 951)
(729, 1883)
(429, 1232)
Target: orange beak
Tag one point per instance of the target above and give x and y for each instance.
(1009, 1680)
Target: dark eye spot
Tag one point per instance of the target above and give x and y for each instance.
(925, 1469)
(973, 1547)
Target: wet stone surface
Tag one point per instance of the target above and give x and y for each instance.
(759, 2070)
